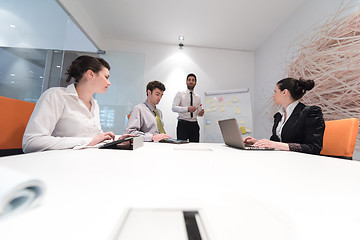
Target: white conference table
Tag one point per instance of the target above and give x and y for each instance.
(241, 194)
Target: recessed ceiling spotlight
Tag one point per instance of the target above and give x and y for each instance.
(12, 26)
(181, 38)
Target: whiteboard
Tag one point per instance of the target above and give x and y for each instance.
(226, 104)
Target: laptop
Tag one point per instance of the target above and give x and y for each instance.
(232, 135)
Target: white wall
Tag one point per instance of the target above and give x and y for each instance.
(215, 69)
(272, 57)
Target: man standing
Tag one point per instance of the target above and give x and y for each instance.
(188, 105)
(145, 119)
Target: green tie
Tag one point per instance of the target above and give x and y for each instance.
(158, 122)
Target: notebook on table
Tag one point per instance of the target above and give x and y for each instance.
(232, 136)
(129, 143)
(172, 140)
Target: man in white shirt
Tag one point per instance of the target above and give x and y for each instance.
(145, 119)
(188, 105)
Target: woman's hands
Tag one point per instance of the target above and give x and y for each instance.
(102, 137)
(126, 143)
(250, 140)
(125, 136)
(266, 143)
(272, 144)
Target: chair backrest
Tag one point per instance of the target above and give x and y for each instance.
(14, 116)
(340, 137)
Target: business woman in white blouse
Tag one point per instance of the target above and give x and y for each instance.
(66, 118)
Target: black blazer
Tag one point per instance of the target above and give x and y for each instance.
(304, 129)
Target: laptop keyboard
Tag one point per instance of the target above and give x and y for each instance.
(258, 148)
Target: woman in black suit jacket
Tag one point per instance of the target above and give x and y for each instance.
(296, 127)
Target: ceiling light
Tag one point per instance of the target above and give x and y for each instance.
(12, 26)
(181, 38)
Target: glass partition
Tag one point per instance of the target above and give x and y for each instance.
(37, 44)
(40, 24)
(126, 90)
(22, 73)
(34, 36)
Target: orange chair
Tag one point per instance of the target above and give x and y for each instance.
(14, 116)
(340, 138)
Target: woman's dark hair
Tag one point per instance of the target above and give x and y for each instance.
(83, 63)
(297, 88)
(155, 84)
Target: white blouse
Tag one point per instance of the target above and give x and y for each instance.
(61, 120)
(289, 111)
